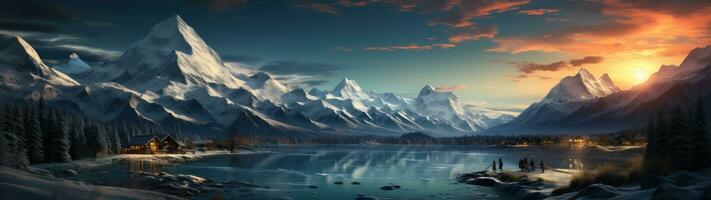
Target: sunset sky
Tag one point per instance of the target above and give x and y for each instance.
(504, 54)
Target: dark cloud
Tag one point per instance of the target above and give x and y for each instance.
(35, 10)
(527, 69)
(28, 26)
(242, 58)
(286, 67)
(34, 16)
(586, 60)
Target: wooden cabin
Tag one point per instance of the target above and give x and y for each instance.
(151, 145)
(147, 144)
(169, 145)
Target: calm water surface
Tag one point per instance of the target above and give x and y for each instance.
(423, 171)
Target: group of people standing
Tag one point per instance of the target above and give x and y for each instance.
(524, 164)
(530, 166)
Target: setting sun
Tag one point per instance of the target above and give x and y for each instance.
(640, 76)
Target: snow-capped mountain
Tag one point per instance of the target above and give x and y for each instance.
(670, 86)
(581, 87)
(171, 53)
(172, 77)
(349, 89)
(75, 65)
(567, 96)
(23, 74)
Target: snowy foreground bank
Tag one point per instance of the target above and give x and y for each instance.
(678, 185)
(39, 181)
(17, 184)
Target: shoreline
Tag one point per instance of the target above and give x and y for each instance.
(49, 181)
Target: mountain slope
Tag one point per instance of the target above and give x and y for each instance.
(21, 65)
(171, 52)
(569, 95)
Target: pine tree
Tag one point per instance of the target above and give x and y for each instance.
(678, 132)
(95, 140)
(700, 148)
(46, 125)
(33, 136)
(77, 149)
(59, 141)
(12, 131)
(117, 141)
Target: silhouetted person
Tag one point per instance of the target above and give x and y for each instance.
(520, 164)
(543, 167)
(533, 166)
(493, 165)
(501, 165)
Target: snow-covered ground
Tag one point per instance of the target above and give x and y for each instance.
(559, 177)
(17, 184)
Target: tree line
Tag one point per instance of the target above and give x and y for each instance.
(678, 140)
(32, 133)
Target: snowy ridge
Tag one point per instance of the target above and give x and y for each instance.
(20, 64)
(172, 78)
(581, 87)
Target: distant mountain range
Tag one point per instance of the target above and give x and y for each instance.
(584, 104)
(171, 77)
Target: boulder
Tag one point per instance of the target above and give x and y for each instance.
(338, 182)
(361, 196)
(484, 181)
(313, 187)
(387, 187)
(69, 172)
(149, 179)
(355, 183)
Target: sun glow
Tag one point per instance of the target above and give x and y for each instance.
(640, 76)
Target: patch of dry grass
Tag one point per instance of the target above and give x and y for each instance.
(608, 174)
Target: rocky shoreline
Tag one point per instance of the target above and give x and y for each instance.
(525, 187)
(677, 185)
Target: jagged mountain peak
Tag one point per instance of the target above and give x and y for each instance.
(17, 50)
(172, 34)
(348, 88)
(171, 52)
(581, 87)
(22, 64)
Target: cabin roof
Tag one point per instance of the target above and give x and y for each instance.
(140, 140)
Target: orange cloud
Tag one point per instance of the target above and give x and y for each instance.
(475, 34)
(634, 35)
(538, 11)
(411, 47)
(469, 10)
(321, 7)
(450, 88)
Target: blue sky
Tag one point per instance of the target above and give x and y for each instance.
(503, 53)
